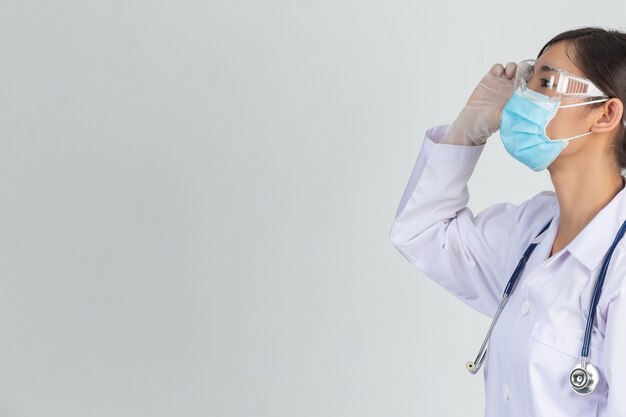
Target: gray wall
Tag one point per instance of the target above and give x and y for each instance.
(196, 200)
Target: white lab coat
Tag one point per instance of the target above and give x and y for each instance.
(538, 337)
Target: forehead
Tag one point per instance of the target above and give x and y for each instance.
(556, 55)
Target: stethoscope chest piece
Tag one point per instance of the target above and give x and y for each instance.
(584, 378)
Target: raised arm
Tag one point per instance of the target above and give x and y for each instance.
(433, 227)
(439, 235)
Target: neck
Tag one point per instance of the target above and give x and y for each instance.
(582, 190)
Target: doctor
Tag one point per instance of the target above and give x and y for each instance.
(550, 271)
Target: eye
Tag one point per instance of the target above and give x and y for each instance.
(547, 84)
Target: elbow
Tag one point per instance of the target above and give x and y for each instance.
(401, 243)
(395, 236)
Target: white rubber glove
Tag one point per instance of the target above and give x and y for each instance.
(480, 117)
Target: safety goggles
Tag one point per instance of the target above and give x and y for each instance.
(556, 83)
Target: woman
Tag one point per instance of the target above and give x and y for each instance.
(563, 112)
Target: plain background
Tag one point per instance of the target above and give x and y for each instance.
(197, 196)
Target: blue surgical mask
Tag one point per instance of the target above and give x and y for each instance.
(523, 128)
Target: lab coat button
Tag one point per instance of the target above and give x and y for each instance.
(525, 308)
(505, 392)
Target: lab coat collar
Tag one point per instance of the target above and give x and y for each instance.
(594, 240)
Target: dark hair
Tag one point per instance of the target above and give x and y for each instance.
(600, 54)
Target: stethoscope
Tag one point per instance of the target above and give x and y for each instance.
(584, 377)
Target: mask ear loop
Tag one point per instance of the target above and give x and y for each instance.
(571, 138)
(575, 105)
(587, 102)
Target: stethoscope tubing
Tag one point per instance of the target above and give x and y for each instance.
(590, 376)
(597, 291)
(474, 367)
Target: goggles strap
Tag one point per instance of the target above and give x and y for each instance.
(583, 103)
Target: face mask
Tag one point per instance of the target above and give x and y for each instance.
(523, 128)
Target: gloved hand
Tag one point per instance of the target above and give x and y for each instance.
(480, 117)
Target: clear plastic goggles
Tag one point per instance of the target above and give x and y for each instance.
(556, 83)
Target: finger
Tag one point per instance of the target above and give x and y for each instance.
(497, 70)
(510, 69)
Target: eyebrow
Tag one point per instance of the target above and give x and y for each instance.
(545, 68)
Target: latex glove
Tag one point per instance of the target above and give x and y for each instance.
(480, 117)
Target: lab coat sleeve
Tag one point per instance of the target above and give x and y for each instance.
(440, 236)
(615, 355)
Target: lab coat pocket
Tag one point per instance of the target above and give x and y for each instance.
(552, 354)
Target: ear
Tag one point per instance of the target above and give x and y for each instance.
(610, 117)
